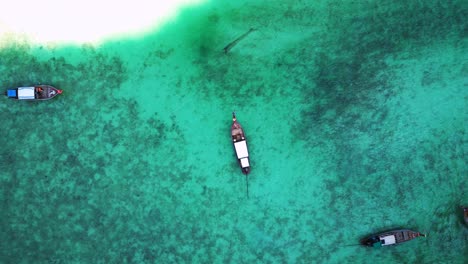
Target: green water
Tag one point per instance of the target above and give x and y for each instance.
(355, 115)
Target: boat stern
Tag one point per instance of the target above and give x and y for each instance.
(245, 165)
(12, 93)
(242, 154)
(373, 241)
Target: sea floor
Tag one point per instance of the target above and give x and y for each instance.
(355, 115)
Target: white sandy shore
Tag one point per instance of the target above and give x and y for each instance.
(85, 21)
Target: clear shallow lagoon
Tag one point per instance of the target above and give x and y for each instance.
(355, 114)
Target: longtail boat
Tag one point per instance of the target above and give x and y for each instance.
(37, 92)
(388, 238)
(240, 146)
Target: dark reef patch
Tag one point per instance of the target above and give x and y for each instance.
(346, 88)
(71, 181)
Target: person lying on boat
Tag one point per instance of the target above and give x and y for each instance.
(39, 92)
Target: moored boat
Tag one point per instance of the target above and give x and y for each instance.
(388, 238)
(37, 92)
(240, 145)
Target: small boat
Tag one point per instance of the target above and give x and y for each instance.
(240, 145)
(389, 238)
(38, 92)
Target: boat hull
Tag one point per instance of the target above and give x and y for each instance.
(388, 238)
(239, 142)
(33, 93)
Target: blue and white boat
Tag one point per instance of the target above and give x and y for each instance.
(38, 92)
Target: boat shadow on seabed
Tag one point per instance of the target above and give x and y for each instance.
(464, 211)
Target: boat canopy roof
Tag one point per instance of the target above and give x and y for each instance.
(244, 162)
(388, 240)
(241, 149)
(26, 93)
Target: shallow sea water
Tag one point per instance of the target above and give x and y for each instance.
(355, 115)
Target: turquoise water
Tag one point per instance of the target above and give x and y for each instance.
(355, 115)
